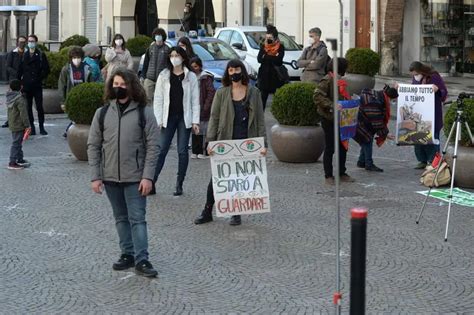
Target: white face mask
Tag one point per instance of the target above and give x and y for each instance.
(176, 61)
(118, 42)
(76, 61)
(310, 40)
(418, 77)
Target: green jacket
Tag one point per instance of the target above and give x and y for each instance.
(17, 112)
(323, 97)
(221, 122)
(66, 83)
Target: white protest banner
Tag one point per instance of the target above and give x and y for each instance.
(239, 177)
(415, 114)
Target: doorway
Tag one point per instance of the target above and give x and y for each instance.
(363, 23)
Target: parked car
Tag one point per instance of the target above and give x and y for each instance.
(246, 40)
(214, 53)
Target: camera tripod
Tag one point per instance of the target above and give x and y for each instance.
(459, 120)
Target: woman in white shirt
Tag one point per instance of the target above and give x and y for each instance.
(118, 55)
(177, 109)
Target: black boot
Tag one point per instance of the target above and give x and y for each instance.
(235, 220)
(5, 125)
(179, 188)
(206, 215)
(33, 131)
(42, 131)
(124, 262)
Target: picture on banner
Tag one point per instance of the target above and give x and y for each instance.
(239, 177)
(416, 113)
(348, 118)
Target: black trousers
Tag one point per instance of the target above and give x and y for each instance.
(328, 128)
(37, 94)
(264, 95)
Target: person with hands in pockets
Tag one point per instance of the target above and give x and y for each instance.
(122, 151)
(177, 109)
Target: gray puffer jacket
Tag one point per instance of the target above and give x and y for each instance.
(123, 153)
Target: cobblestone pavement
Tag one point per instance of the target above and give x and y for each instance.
(58, 242)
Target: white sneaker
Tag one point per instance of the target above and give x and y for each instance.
(202, 156)
(194, 156)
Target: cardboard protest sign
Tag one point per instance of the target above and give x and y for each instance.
(348, 118)
(416, 114)
(239, 177)
(460, 197)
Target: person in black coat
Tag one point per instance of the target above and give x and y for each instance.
(270, 57)
(33, 69)
(189, 19)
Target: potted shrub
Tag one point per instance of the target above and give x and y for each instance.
(74, 40)
(137, 47)
(297, 137)
(51, 96)
(464, 176)
(81, 104)
(363, 64)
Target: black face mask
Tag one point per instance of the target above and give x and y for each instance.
(120, 92)
(269, 41)
(236, 77)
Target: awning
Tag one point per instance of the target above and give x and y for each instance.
(22, 8)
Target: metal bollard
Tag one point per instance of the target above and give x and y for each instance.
(358, 256)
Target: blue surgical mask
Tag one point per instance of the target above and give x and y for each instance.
(158, 38)
(31, 45)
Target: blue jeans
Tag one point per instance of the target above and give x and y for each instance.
(426, 153)
(365, 156)
(175, 123)
(129, 208)
(16, 152)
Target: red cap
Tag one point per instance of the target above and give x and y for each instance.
(358, 213)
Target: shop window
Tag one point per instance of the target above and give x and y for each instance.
(262, 12)
(446, 41)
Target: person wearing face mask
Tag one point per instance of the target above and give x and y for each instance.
(33, 69)
(373, 119)
(424, 74)
(13, 62)
(270, 56)
(236, 113)
(156, 59)
(92, 54)
(189, 22)
(73, 74)
(122, 155)
(185, 43)
(206, 95)
(314, 58)
(177, 109)
(117, 56)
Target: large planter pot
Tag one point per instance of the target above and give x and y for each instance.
(52, 102)
(464, 175)
(77, 139)
(297, 144)
(358, 82)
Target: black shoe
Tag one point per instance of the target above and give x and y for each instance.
(124, 262)
(144, 268)
(23, 163)
(360, 164)
(33, 131)
(5, 125)
(235, 220)
(373, 168)
(43, 132)
(205, 216)
(179, 188)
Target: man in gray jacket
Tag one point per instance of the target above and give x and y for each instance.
(122, 151)
(314, 58)
(156, 58)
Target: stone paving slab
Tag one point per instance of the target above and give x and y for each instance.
(59, 240)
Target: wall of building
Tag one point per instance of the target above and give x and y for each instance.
(411, 40)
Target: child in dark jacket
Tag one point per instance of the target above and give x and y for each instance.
(18, 122)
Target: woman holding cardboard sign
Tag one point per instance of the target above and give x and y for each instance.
(236, 113)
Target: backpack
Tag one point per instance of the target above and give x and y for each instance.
(328, 59)
(141, 118)
(444, 175)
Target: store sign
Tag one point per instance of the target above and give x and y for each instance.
(415, 114)
(239, 177)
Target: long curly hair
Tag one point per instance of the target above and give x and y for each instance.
(135, 90)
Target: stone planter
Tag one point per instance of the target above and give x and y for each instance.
(77, 139)
(52, 102)
(464, 176)
(297, 144)
(357, 82)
